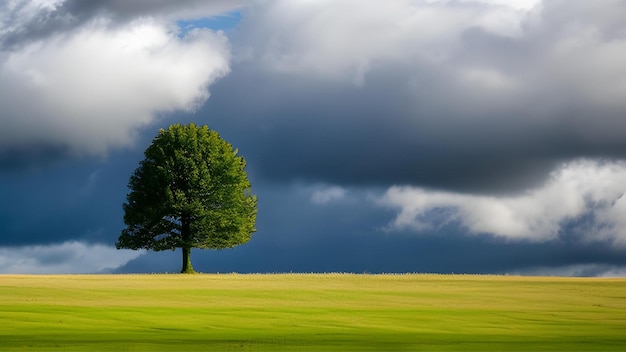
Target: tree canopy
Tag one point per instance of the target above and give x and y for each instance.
(190, 191)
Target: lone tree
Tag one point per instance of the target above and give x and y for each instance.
(190, 191)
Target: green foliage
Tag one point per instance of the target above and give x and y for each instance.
(190, 191)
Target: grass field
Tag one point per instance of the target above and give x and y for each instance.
(310, 312)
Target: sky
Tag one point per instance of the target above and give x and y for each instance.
(429, 136)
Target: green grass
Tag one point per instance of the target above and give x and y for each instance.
(310, 312)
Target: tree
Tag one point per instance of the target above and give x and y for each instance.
(190, 191)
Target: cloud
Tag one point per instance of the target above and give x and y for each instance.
(21, 18)
(67, 258)
(516, 4)
(576, 270)
(327, 194)
(577, 189)
(179, 10)
(341, 40)
(90, 89)
(476, 106)
(24, 21)
(467, 96)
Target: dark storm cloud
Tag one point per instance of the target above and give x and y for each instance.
(495, 114)
(505, 112)
(63, 201)
(125, 10)
(378, 134)
(19, 158)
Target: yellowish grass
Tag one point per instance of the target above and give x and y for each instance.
(311, 312)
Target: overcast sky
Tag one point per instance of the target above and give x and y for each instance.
(465, 136)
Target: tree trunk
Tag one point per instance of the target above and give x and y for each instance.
(187, 268)
(186, 235)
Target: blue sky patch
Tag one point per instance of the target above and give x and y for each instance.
(222, 22)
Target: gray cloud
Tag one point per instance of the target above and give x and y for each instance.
(125, 10)
(463, 96)
(23, 21)
(487, 106)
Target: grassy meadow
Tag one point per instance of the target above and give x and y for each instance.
(310, 312)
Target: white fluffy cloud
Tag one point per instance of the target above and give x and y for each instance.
(576, 189)
(67, 258)
(89, 89)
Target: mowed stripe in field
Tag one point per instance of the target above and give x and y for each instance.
(311, 312)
